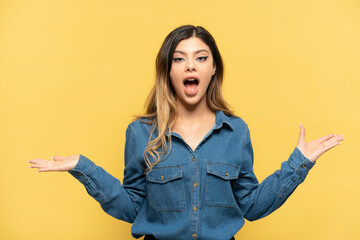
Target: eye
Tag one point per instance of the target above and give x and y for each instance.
(203, 58)
(178, 59)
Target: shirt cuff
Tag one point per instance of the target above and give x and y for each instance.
(300, 163)
(83, 168)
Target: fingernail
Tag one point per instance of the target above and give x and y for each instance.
(52, 158)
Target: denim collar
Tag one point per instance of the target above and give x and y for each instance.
(220, 119)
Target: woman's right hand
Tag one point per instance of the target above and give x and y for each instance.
(60, 164)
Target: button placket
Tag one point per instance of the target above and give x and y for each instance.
(194, 196)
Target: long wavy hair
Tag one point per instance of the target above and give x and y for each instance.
(160, 107)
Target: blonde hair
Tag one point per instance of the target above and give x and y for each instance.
(160, 107)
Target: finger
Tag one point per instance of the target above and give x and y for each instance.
(334, 139)
(49, 170)
(58, 158)
(38, 160)
(340, 137)
(49, 166)
(301, 134)
(330, 146)
(41, 163)
(43, 170)
(325, 138)
(34, 160)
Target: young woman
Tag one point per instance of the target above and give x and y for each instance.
(189, 159)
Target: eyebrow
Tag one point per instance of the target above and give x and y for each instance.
(198, 51)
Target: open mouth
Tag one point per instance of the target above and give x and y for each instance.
(191, 81)
(191, 86)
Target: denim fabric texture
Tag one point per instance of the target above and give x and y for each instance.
(201, 194)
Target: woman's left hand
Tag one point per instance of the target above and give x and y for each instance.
(314, 149)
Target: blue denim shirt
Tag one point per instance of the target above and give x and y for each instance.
(201, 194)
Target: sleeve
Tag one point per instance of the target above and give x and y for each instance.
(259, 200)
(120, 201)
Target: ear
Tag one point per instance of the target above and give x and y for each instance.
(214, 70)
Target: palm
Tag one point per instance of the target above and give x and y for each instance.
(314, 149)
(60, 164)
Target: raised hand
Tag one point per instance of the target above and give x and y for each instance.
(60, 164)
(314, 149)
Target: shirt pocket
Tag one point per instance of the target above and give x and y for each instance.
(165, 189)
(218, 189)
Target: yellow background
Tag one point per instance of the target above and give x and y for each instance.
(72, 74)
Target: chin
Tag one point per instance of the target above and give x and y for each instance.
(192, 102)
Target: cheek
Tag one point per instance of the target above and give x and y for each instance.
(175, 77)
(208, 74)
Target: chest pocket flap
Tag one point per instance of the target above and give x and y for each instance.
(164, 174)
(218, 190)
(165, 189)
(225, 171)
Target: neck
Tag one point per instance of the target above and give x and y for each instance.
(193, 113)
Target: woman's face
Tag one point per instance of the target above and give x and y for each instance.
(191, 71)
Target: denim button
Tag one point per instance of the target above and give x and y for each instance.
(303, 166)
(195, 184)
(79, 173)
(226, 173)
(194, 235)
(162, 177)
(195, 208)
(194, 159)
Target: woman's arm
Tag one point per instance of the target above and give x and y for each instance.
(258, 200)
(120, 201)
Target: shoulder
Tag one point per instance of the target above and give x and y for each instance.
(238, 122)
(140, 127)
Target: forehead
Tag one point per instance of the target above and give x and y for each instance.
(192, 44)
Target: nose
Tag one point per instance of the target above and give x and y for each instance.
(190, 67)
